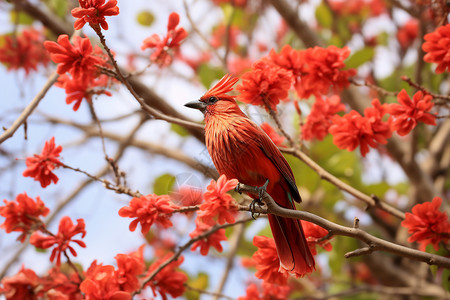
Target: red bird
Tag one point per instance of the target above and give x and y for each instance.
(240, 149)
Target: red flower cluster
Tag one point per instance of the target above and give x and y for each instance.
(427, 224)
(437, 44)
(218, 203)
(267, 262)
(148, 210)
(323, 70)
(40, 167)
(81, 61)
(94, 13)
(353, 130)
(265, 85)
(314, 235)
(24, 51)
(101, 282)
(269, 292)
(67, 230)
(168, 46)
(129, 267)
(212, 240)
(274, 136)
(319, 119)
(23, 215)
(315, 70)
(21, 286)
(407, 34)
(55, 285)
(168, 280)
(409, 112)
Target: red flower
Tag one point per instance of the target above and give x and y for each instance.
(25, 50)
(381, 130)
(350, 131)
(67, 230)
(213, 239)
(22, 286)
(268, 265)
(218, 202)
(40, 167)
(407, 34)
(168, 280)
(274, 136)
(59, 286)
(353, 130)
(437, 44)
(427, 224)
(314, 235)
(319, 119)
(77, 90)
(129, 267)
(94, 13)
(22, 215)
(79, 59)
(409, 112)
(323, 70)
(169, 45)
(148, 210)
(101, 284)
(269, 292)
(265, 85)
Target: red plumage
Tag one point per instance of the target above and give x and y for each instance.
(240, 149)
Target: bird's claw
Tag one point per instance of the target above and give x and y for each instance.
(253, 208)
(238, 188)
(261, 190)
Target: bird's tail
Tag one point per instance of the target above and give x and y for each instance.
(291, 244)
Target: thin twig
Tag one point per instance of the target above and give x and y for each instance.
(150, 110)
(30, 108)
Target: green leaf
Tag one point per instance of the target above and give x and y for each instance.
(209, 74)
(324, 15)
(201, 282)
(60, 7)
(20, 18)
(145, 18)
(164, 184)
(181, 131)
(360, 57)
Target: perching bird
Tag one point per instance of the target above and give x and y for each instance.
(240, 149)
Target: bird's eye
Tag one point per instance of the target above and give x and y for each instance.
(212, 100)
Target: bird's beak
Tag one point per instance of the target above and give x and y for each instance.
(197, 105)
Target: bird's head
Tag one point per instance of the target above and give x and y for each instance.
(216, 101)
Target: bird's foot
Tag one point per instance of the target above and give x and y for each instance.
(253, 208)
(261, 190)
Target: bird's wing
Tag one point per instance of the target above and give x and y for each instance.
(272, 152)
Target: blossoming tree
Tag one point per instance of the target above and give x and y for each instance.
(354, 93)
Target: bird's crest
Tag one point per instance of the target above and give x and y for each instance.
(224, 86)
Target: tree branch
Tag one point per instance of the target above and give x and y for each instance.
(336, 229)
(371, 201)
